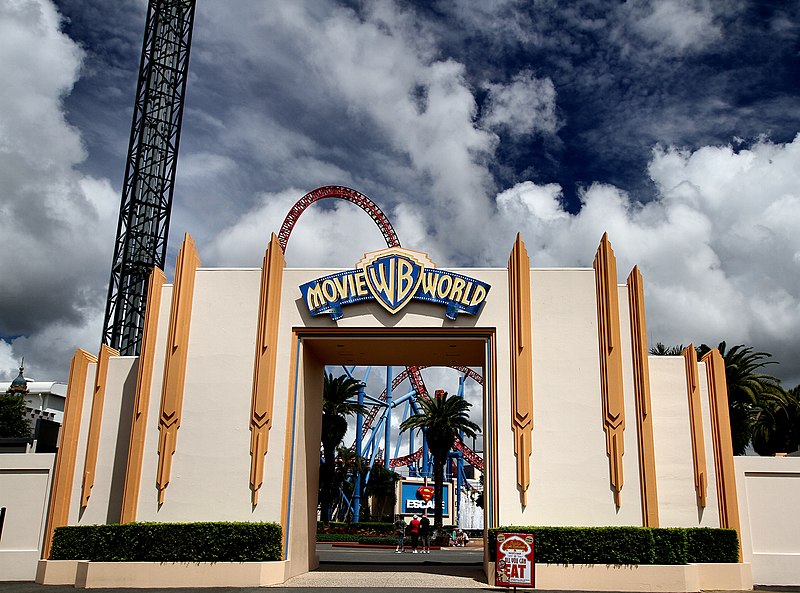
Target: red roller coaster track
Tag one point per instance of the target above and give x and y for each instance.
(343, 193)
(411, 373)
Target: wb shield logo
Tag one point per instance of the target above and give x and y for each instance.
(392, 278)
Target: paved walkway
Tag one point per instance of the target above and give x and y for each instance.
(457, 568)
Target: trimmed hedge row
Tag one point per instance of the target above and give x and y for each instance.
(338, 537)
(363, 527)
(627, 545)
(378, 541)
(170, 542)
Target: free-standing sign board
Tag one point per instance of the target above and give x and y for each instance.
(514, 561)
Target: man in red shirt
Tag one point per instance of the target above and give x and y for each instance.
(413, 529)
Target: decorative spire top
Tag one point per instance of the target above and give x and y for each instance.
(19, 385)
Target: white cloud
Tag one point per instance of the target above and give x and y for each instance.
(525, 106)
(385, 71)
(58, 224)
(676, 26)
(718, 248)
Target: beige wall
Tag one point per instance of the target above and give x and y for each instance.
(677, 499)
(569, 466)
(24, 486)
(105, 500)
(768, 491)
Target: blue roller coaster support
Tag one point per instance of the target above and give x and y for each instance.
(357, 486)
(388, 426)
(460, 457)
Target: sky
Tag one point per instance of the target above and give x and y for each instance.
(673, 125)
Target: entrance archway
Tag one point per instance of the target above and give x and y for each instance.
(315, 348)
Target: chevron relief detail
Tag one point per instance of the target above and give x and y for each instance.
(519, 276)
(605, 266)
(265, 362)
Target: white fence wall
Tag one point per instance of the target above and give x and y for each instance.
(768, 489)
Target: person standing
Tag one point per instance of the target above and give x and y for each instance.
(400, 531)
(425, 533)
(413, 529)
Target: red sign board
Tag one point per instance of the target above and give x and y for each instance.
(514, 561)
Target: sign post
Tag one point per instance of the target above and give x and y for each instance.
(514, 562)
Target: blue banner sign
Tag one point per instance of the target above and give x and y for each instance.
(413, 501)
(394, 277)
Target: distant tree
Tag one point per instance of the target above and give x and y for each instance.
(382, 491)
(13, 416)
(749, 389)
(776, 423)
(337, 405)
(441, 418)
(661, 350)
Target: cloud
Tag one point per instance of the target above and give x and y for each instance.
(58, 223)
(675, 26)
(360, 99)
(718, 247)
(524, 107)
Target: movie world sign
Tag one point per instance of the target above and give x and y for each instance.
(394, 277)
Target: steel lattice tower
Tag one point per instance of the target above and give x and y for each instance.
(146, 204)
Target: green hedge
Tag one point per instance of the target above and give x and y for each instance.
(627, 545)
(337, 537)
(378, 541)
(365, 527)
(169, 542)
(704, 544)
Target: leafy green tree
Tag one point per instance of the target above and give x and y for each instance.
(337, 405)
(776, 423)
(13, 416)
(441, 418)
(749, 389)
(661, 350)
(382, 489)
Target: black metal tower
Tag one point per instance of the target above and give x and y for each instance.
(150, 169)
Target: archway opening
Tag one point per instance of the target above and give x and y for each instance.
(321, 349)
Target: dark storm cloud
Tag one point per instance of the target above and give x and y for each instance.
(669, 124)
(628, 76)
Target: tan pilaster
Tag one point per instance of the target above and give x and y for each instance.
(519, 283)
(696, 425)
(287, 444)
(263, 396)
(605, 267)
(641, 387)
(723, 445)
(66, 460)
(95, 422)
(144, 380)
(175, 361)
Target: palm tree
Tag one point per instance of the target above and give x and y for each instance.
(749, 390)
(776, 423)
(662, 350)
(441, 418)
(337, 405)
(381, 491)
